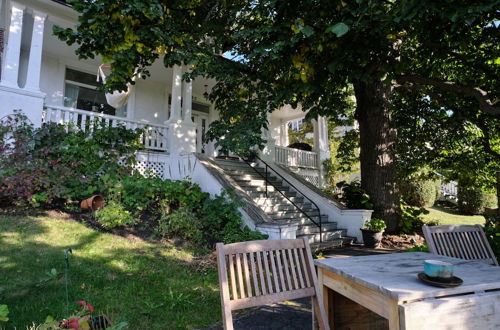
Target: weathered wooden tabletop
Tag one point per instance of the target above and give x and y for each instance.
(395, 275)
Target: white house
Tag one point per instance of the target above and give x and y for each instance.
(43, 77)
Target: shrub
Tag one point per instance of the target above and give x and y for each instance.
(411, 219)
(222, 222)
(114, 215)
(353, 196)
(492, 231)
(419, 192)
(182, 223)
(470, 200)
(56, 162)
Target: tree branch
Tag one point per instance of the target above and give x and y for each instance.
(481, 96)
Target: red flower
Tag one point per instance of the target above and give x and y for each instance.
(81, 303)
(73, 323)
(90, 308)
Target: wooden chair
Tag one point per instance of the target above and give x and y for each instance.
(460, 241)
(264, 272)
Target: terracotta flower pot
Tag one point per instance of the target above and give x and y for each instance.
(93, 203)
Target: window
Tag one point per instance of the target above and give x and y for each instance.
(81, 92)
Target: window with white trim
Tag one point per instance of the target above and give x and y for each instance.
(81, 92)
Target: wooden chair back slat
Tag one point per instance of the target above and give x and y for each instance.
(254, 274)
(292, 269)
(460, 241)
(262, 272)
(299, 270)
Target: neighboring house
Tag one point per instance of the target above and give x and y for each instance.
(43, 77)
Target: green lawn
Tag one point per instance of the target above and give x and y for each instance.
(148, 285)
(450, 217)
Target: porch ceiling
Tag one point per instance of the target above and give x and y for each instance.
(289, 113)
(159, 74)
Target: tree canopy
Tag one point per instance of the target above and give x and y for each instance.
(440, 58)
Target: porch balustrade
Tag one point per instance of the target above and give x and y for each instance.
(154, 137)
(296, 158)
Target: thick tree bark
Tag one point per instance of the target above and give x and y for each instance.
(378, 147)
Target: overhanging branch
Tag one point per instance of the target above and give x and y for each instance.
(481, 96)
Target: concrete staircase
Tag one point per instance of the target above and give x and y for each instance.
(279, 208)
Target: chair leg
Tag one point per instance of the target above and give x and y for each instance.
(319, 313)
(227, 318)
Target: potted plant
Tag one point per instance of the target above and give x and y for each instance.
(372, 232)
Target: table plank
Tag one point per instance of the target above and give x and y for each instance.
(395, 275)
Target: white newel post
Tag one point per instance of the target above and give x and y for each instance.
(35, 59)
(181, 133)
(10, 72)
(29, 99)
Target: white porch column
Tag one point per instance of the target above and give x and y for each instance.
(181, 137)
(268, 153)
(10, 72)
(187, 101)
(35, 59)
(284, 133)
(175, 106)
(323, 143)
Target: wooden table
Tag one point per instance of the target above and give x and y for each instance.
(383, 291)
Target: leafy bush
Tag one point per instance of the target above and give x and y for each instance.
(411, 220)
(114, 215)
(138, 193)
(375, 224)
(58, 163)
(470, 200)
(419, 192)
(492, 231)
(182, 223)
(490, 200)
(417, 248)
(353, 196)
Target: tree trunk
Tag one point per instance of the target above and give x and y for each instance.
(378, 147)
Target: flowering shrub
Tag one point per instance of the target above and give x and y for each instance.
(82, 319)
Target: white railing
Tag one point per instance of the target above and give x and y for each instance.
(154, 137)
(296, 157)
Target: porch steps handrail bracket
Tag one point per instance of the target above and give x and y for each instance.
(154, 137)
(267, 167)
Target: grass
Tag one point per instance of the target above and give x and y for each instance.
(446, 216)
(148, 285)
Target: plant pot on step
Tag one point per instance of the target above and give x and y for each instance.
(371, 238)
(93, 203)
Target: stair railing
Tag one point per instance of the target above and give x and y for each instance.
(268, 182)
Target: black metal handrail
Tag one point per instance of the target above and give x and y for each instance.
(266, 180)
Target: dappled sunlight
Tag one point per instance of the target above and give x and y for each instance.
(139, 282)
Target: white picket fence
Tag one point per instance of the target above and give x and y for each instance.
(154, 138)
(296, 158)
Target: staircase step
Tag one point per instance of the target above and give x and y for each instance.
(271, 194)
(293, 213)
(276, 207)
(256, 181)
(327, 236)
(313, 229)
(264, 189)
(316, 247)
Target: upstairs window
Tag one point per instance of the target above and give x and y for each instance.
(81, 92)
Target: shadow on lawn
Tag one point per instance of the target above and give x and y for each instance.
(147, 285)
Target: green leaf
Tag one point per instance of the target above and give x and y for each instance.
(339, 29)
(4, 312)
(307, 30)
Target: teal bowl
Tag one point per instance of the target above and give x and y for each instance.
(438, 270)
